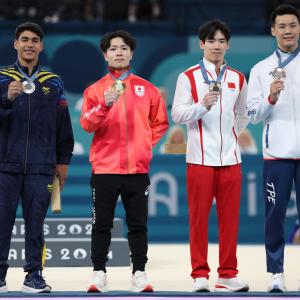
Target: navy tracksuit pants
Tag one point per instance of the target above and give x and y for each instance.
(279, 176)
(35, 192)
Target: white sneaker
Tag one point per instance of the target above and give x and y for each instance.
(231, 285)
(139, 283)
(98, 283)
(277, 284)
(201, 285)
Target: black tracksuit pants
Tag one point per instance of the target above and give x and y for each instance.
(134, 189)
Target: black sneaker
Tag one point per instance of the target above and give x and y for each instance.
(35, 283)
(3, 286)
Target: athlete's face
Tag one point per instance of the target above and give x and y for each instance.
(118, 55)
(286, 30)
(215, 49)
(28, 46)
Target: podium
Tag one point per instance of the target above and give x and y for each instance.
(68, 243)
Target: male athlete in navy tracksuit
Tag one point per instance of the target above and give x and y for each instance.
(36, 142)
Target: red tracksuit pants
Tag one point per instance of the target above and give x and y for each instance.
(203, 184)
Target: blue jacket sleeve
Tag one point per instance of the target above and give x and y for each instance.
(5, 103)
(64, 132)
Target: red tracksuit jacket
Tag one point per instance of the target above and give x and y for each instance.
(125, 133)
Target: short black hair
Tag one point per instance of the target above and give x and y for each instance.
(284, 9)
(30, 26)
(209, 29)
(125, 35)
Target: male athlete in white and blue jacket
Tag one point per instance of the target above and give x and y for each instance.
(276, 102)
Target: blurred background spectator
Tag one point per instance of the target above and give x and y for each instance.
(184, 15)
(247, 142)
(53, 11)
(181, 16)
(142, 9)
(175, 135)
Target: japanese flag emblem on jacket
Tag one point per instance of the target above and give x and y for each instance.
(139, 90)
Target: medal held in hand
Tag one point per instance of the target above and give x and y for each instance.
(119, 86)
(278, 73)
(28, 86)
(215, 86)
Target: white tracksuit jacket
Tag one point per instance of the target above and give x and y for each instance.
(281, 133)
(212, 134)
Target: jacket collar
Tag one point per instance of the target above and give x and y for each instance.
(116, 74)
(18, 65)
(211, 67)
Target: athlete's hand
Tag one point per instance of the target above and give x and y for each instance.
(15, 88)
(275, 88)
(111, 97)
(61, 173)
(210, 99)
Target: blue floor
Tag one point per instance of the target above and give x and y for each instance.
(163, 294)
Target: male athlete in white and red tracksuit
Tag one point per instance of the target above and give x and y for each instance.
(213, 158)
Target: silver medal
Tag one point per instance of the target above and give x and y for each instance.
(278, 73)
(215, 86)
(28, 87)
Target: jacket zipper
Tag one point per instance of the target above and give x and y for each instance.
(27, 138)
(127, 154)
(221, 129)
(295, 122)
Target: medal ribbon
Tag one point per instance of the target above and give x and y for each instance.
(122, 77)
(204, 73)
(32, 78)
(281, 63)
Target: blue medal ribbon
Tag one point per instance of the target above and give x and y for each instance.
(122, 77)
(32, 78)
(204, 73)
(282, 64)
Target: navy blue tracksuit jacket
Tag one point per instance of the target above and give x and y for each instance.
(35, 130)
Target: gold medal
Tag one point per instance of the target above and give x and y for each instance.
(119, 86)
